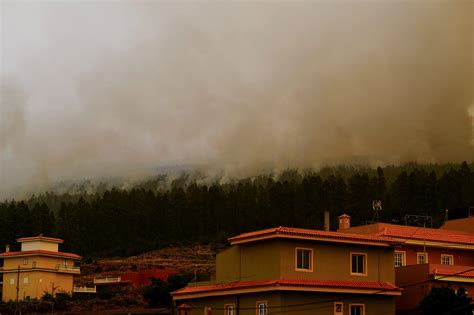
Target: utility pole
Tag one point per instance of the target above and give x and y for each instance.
(17, 309)
(424, 240)
(17, 283)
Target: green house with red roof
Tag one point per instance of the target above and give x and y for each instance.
(298, 271)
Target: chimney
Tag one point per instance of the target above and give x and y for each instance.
(326, 221)
(344, 221)
(7, 248)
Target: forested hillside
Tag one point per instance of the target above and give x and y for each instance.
(126, 222)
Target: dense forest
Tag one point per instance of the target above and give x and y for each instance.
(119, 222)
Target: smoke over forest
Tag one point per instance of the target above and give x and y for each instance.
(101, 89)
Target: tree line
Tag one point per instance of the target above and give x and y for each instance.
(121, 222)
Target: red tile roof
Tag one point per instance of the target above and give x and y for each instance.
(319, 235)
(40, 252)
(455, 271)
(40, 238)
(303, 283)
(464, 224)
(420, 233)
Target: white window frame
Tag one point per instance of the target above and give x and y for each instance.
(365, 265)
(361, 305)
(301, 249)
(229, 309)
(25, 261)
(25, 280)
(403, 258)
(262, 311)
(12, 281)
(450, 259)
(421, 254)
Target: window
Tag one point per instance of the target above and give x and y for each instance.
(229, 309)
(359, 264)
(422, 258)
(400, 258)
(262, 308)
(357, 309)
(25, 261)
(25, 280)
(447, 259)
(304, 259)
(33, 264)
(338, 308)
(12, 281)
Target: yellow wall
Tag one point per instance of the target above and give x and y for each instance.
(272, 259)
(333, 262)
(229, 265)
(41, 262)
(38, 282)
(37, 285)
(285, 303)
(39, 245)
(246, 303)
(248, 262)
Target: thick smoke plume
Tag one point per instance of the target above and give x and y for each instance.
(99, 89)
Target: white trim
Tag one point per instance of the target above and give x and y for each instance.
(311, 259)
(404, 257)
(421, 254)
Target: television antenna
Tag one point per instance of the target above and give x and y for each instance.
(377, 207)
(418, 220)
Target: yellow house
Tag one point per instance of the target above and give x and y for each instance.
(38, 268)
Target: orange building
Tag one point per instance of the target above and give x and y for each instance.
(298, 271)
(430, 257)
(38, 268)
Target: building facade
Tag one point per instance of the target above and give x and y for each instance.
(288, 270)
(430, 257)
(38, 268)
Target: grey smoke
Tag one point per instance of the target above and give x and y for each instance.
(97, 89)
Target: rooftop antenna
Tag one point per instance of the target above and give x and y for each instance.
(446, 215)
(377, 207)
(418, 220)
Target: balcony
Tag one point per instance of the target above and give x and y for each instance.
(107, 280)
(84, 289)
(68, 269)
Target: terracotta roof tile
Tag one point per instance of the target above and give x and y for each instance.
(40, 252)
(447, 270)
(316, 235)
(412, 232)
(303, 283)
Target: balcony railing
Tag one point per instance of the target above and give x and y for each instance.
(85, 289)
(68, 268)
(107, 280)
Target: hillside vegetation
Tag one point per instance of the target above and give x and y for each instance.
(147, 217)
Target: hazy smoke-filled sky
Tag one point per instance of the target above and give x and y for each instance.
(117, 88)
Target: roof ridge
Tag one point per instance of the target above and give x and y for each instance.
(281, 230)
(291, 282)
